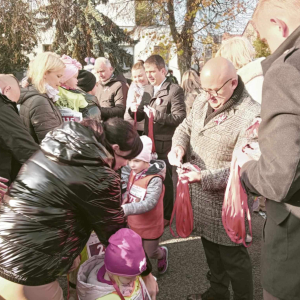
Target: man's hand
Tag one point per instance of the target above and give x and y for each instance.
(175, 156)
(147, 110)
(191, 177)
(3, 187)
(151, 285)
(134, 107)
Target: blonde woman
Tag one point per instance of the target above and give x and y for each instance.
(192, 87)
(136, 91)
(241, 53)
(37, 109)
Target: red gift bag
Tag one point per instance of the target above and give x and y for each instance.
(183, 211)
(183, 206)
(235, 210)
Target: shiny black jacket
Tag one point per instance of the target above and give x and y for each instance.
(61, 194)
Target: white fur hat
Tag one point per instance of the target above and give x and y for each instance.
(145, 155)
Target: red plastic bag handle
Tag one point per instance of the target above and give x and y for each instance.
(150, 130)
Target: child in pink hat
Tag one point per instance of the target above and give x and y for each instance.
(143, 202)
(72, 100)
(117, 276)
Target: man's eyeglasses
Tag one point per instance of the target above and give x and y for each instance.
(214, 93)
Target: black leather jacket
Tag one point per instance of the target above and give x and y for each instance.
(62, 193)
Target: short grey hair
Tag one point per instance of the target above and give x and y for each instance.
(102, 60)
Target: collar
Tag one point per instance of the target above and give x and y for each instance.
(286, 45)
(8, 101)
(158, 87)
(236, 96)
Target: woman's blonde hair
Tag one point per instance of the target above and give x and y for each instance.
(43, 63)
(238, 50)
(190, 81)
(139, 65)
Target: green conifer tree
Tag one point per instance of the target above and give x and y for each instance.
(18, 35)
(82, 31)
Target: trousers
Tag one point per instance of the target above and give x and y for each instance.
(229, 264)
(152, 249)
(169, 192)
(13, 291)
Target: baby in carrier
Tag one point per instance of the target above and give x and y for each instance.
(143, 202)
(116, 274)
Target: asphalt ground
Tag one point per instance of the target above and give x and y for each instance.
(188, 268)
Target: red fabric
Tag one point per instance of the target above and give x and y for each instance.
(135, 120)
(150, 130)
(235, 209)
(183, 210)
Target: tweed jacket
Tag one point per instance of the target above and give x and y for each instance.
(211, 143)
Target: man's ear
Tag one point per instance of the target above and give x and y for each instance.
(234, 83)
(116, 147)
(282, 27)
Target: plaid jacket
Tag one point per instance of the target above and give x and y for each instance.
(212, 141)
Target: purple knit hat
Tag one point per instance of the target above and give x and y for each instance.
(125, 255)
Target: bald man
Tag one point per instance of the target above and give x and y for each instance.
(276, 175)
(214, 129)
(16, 144)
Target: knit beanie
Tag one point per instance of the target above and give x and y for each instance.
(86, 80)
(72, 67)
(145, 155)
(125, 255)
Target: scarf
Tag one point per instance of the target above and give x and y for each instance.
(234, 99)
(51, 92)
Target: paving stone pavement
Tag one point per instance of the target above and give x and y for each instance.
(188, 268)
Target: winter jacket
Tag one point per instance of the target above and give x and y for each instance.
(276, 175)
(62, 193)
(170, 112)
(189, 99)
(212, 137)
(79, 101)
(89, 288)
(131, 96)
(253, 78)
(16, 144)
(38, 113)
(112, 97)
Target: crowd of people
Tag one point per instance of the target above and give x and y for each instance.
(83, 153)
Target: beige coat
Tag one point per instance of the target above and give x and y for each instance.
(211, 147)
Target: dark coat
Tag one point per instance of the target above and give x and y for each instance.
(16, 144)
(62, 193)
(169, 114)
(38, 113)
(276, 175)
(112, 97)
